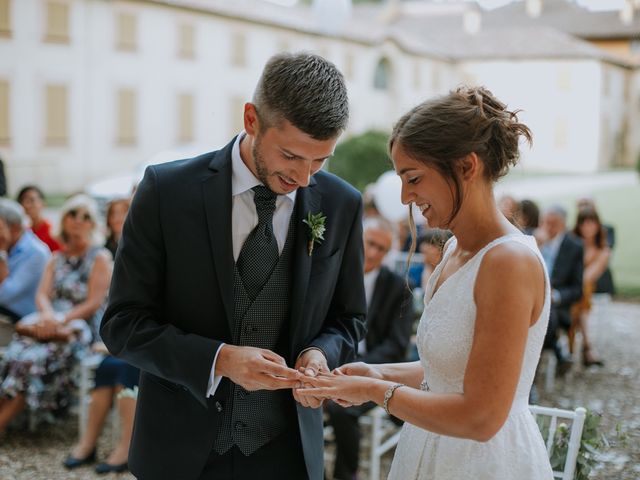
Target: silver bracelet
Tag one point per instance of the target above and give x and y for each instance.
(388, 394)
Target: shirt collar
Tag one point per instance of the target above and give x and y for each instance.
(242, 179)
(555, 242)
(24, 240)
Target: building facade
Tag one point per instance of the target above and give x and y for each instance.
(91, 88)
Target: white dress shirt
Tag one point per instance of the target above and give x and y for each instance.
(549, 253)
(244, 219)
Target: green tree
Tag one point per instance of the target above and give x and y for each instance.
(361, 159)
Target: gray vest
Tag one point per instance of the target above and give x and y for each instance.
(252, 419)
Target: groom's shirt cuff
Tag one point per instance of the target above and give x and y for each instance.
(214, 380)
(312, 348)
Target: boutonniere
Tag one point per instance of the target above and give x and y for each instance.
(315, 222)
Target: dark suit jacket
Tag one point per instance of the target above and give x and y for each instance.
(389, 319)
(566, 277)
(171, 305)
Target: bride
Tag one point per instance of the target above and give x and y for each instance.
(465, 403)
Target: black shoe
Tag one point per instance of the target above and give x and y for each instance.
(72, 462)
(102, 468)
(589, 359)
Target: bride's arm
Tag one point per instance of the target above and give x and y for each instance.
(408, 373)
(509, 296)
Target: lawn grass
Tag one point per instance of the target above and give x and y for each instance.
(620, 208)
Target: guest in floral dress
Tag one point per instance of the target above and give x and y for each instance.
(115, 381)
(35, 372)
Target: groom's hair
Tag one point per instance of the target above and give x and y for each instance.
(306, 90)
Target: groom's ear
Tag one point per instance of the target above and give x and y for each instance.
(251, 121)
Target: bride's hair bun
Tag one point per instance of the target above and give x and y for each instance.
(444, 130)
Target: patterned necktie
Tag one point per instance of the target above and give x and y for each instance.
(259, 254)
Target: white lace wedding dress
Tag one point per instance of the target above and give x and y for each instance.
(445, 334)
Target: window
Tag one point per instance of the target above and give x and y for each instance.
(56, 117)
(606, 81)
(57, 22)
(564, 79)
(436, 78)
(126, 32)
(561, 133)
(5, 18)
(236, 114)
(238, 49)
(185, 117)
(186, 41)
(348, 65)
(127, 121)
(5, 131)
(283, 45)
(417, 74)
(382, 75)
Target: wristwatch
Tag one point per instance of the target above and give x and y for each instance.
(4, 256)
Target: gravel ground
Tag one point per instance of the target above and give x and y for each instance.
(613, 390)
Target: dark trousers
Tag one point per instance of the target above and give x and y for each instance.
(347, 434)
(9, 313)
(280, 459)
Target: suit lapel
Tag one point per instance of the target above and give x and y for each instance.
(374, 305)
(216, 193)
(307, 200)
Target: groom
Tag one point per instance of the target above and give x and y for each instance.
(225, 294)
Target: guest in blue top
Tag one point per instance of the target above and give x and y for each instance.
(22, 261)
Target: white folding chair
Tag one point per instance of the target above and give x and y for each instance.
(577, 418)
(384, 436)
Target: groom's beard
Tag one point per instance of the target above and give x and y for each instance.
(262, 171)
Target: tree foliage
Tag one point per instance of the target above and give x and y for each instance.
(361, 159)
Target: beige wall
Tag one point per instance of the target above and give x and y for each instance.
(621, 48)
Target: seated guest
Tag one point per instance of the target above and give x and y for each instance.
(112, 377)
(604, 284)
(35, 371)
(389, 323)
(116, 213)
(596, 259)
(32, 200)
(430, 245)
(563, 255)
(22, 261)
(528, 216)
(509, 207)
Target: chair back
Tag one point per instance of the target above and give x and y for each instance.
(577, 418)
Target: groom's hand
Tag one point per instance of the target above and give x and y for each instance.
(256, 368)
(310, 363)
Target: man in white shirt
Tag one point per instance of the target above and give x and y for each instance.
(563, 255)
(239, 273)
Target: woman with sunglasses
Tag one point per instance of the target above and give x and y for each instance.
(35, 372)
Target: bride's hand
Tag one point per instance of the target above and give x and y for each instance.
(360, 369)
(346, 390)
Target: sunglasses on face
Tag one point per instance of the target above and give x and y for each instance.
(79, 214)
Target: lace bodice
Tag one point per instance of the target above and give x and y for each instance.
(445, 332)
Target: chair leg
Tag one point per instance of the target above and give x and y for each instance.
(550, 373)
